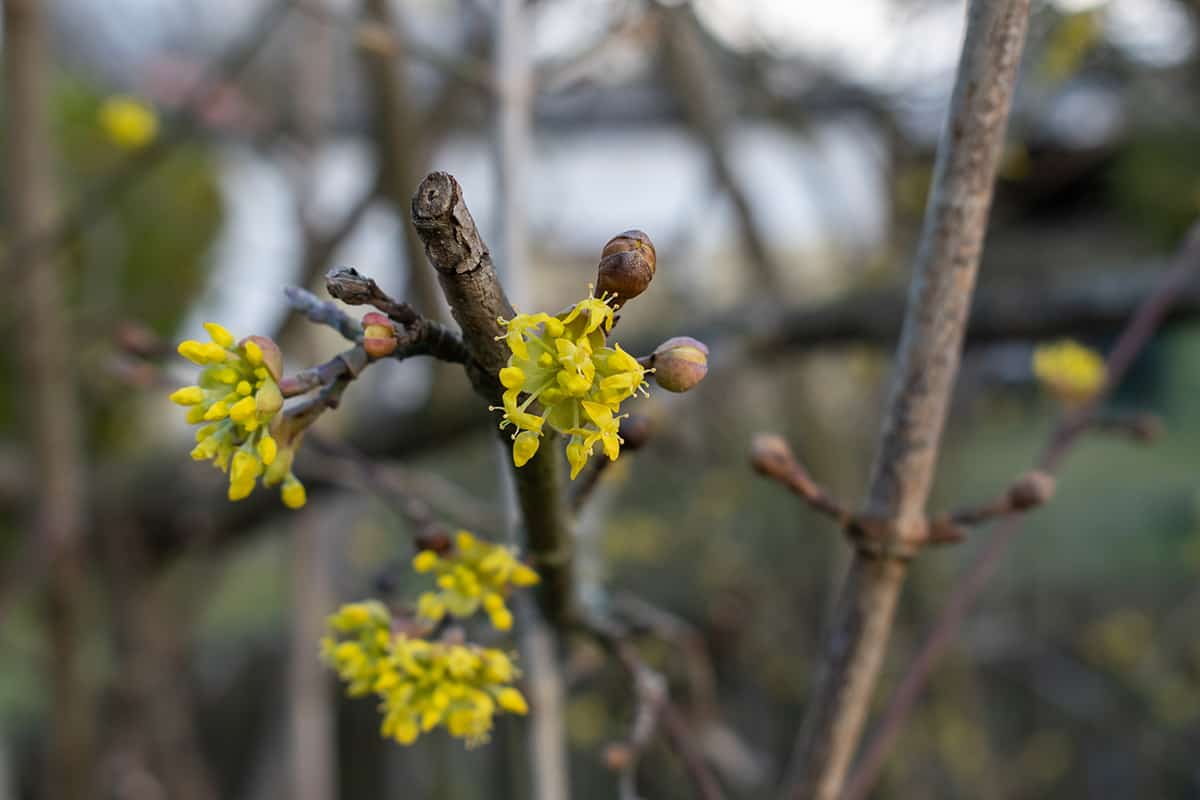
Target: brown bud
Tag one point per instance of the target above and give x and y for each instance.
(770, 454)
(618, 756)
(272, 355)
(435, 539)
(1032, 489)
(636, 430)
(379, 335)
(680, 363)
(627, 265)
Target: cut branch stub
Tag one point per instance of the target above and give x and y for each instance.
(465, 271)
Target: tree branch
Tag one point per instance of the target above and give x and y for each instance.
(1150, 315)
(927, 361)
(53, 412)
(477, 302)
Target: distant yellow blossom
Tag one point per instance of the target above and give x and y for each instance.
(1072, 372)
(235, 401)
(421, 684)
(129, 123)
(472, 575)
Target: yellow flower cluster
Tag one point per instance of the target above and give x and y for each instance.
(471, 575)
(235, 400)
(421, 684)
(563, 364)
(129, 124)
(1074, 373)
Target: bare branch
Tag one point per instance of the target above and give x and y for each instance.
(1137, 334)
(771, 457)
(48, 370)
(323, 312)
(477, 301)
(927, 362)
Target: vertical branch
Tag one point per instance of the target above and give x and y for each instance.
(402, 150)
(310, 760)
(513, 130)
(927, 361)
(310, 708)
(48, 371)
(706, 104)
(543, 476)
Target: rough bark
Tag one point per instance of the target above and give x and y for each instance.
(477, 302)
(927, 361)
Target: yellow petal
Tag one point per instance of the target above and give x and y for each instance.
(293, 493)
(219, 335)
(524, 447)
(425, 561)
(511, 699)
(243, 409)
(512, 377)
(267, 449)
(254, 353)
(188, 396)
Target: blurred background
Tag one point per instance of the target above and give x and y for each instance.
(778, 152)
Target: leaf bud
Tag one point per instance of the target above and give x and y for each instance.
(680, 363)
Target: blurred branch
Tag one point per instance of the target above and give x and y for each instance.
(48, 371)
(700, 88)
(771, 457)
(1095, 303)
(653, 709)
(376, 35)
(561, 74)
(312, 699)
(342, 465)
(150, 633)
(181, 125)
(927, 361)
(1152, 312)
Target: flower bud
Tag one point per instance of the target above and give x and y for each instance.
(379, 336)
(627, 265)
(680, 363)
(272, 356)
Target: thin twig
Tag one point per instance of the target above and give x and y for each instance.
(771, 457)
(1133, 340)
(47, 362)
(926, 366)
(323, 312)
(654, 707)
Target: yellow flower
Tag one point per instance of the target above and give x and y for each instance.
(421, 685)
(1072, 372)
(238, 395)
(471, 576)
(562, 374)
(129, 124)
